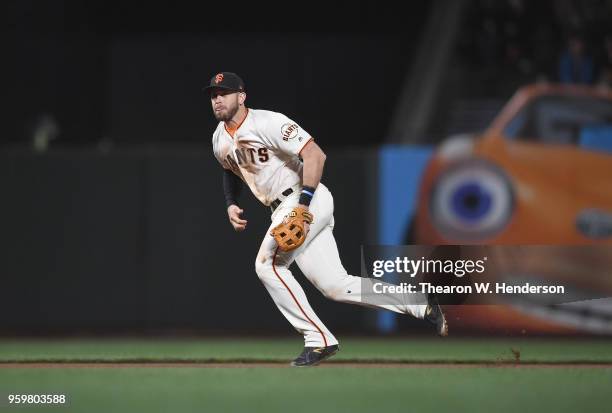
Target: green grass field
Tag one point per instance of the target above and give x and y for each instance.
(431, 385)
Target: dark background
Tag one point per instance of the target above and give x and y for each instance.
(134, 72)
(117, 72)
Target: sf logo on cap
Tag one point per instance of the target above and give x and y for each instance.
(219, 78)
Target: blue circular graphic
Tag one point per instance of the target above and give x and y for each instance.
(470, 201)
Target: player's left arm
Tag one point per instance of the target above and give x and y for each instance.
(314, 160)
(285, 135)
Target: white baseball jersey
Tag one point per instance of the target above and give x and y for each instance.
(264, 152)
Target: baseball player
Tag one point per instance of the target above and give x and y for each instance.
(282, 165)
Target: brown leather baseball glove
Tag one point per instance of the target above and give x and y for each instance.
(290, 234)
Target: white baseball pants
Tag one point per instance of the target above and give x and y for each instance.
(319, 260)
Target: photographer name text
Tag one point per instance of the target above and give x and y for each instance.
(478, 288)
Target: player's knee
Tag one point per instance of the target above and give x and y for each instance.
(264, 269)
(332, 290)
(261, 268)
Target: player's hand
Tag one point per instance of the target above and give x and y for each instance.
(306, 223)
(233, 213)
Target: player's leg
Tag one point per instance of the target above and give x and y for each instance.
(272, 266)
(320, 263)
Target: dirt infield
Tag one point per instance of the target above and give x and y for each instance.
(352, 364)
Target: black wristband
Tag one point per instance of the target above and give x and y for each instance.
(306, 195)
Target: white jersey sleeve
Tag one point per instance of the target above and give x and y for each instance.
(285, 135)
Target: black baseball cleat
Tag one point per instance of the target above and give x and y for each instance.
(311, 356)
(434, 314)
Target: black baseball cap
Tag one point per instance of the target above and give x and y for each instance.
(226, 80)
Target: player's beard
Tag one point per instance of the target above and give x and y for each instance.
(229, 114)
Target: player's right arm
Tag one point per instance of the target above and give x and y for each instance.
(232, 185)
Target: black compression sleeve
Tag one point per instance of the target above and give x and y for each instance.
(232, 185)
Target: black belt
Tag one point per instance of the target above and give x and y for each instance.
(277, 201)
